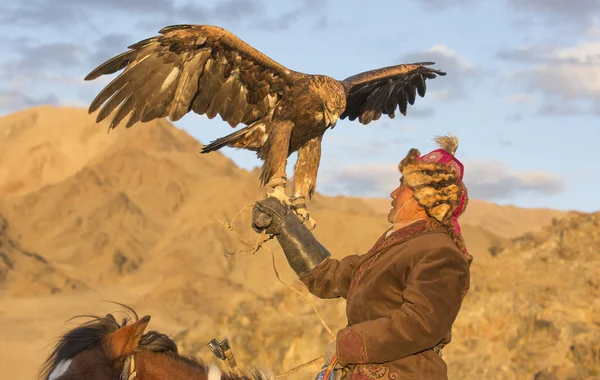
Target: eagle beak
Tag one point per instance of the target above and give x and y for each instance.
(332, 120)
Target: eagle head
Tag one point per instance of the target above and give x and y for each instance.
(330, 95)
(333, 100)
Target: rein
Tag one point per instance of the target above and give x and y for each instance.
(223, 351)
(129, 371)
(330, 367)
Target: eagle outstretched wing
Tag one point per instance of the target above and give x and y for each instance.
(191, 67)
(373, 93)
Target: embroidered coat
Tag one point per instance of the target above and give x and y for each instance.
(402, 299)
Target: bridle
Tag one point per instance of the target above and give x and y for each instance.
(129, 372)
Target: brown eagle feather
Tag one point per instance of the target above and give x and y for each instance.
(208, 70)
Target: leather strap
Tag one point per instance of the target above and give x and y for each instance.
(330, 367)
(129, 372)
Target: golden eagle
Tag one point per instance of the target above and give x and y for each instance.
(211, 71)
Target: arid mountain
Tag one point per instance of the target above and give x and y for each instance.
(534, 307)
(128, 216)
(26, 273)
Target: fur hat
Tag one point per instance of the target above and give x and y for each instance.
(436, 180)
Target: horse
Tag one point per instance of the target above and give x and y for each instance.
(103, 349)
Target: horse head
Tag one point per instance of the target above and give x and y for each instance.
(102, 349)
(99, 349)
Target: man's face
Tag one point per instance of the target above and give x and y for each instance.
(400, 196)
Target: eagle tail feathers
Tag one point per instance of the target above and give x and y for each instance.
(251, 137)
(224, 141)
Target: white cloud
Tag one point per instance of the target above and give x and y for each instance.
(593, 31)
(76, 103)
(564, 77)
(485, 179)
(11, 101)
(554, 109)
(588, 52)
(150, 13)
(558, 13)
(534, 52)
(566, 80)
(460, 71)
(422, 112)
(366, 180)
(575, 73)
(450, 54)
(519, 98)
(441, 5)
(493, 180)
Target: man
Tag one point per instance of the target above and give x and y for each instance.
(405, 293)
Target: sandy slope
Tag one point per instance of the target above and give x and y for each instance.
(127, 214)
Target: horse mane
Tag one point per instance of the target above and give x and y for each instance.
(84, 337)
(158, 342)
(79, 339)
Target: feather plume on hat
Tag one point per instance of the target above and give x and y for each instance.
(448, 143)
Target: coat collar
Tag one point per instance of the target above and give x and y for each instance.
(411, 231)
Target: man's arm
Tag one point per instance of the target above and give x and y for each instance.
(323, 276)
(331, 279)
(432, 299)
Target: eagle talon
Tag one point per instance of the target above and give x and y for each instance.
(299, 202)
(304, 216)
(276, 182)
(279, 193)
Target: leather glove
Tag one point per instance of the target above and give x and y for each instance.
(302, 250)
(267, 214)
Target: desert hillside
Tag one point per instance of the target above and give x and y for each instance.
(126, 216)
(534, 308)
(25, 273)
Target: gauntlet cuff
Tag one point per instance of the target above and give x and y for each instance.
(301, 249)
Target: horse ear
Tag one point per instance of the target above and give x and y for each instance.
(123, 341)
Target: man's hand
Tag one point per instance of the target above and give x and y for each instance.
(267, 215)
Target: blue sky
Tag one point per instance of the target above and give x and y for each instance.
(522, 91)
